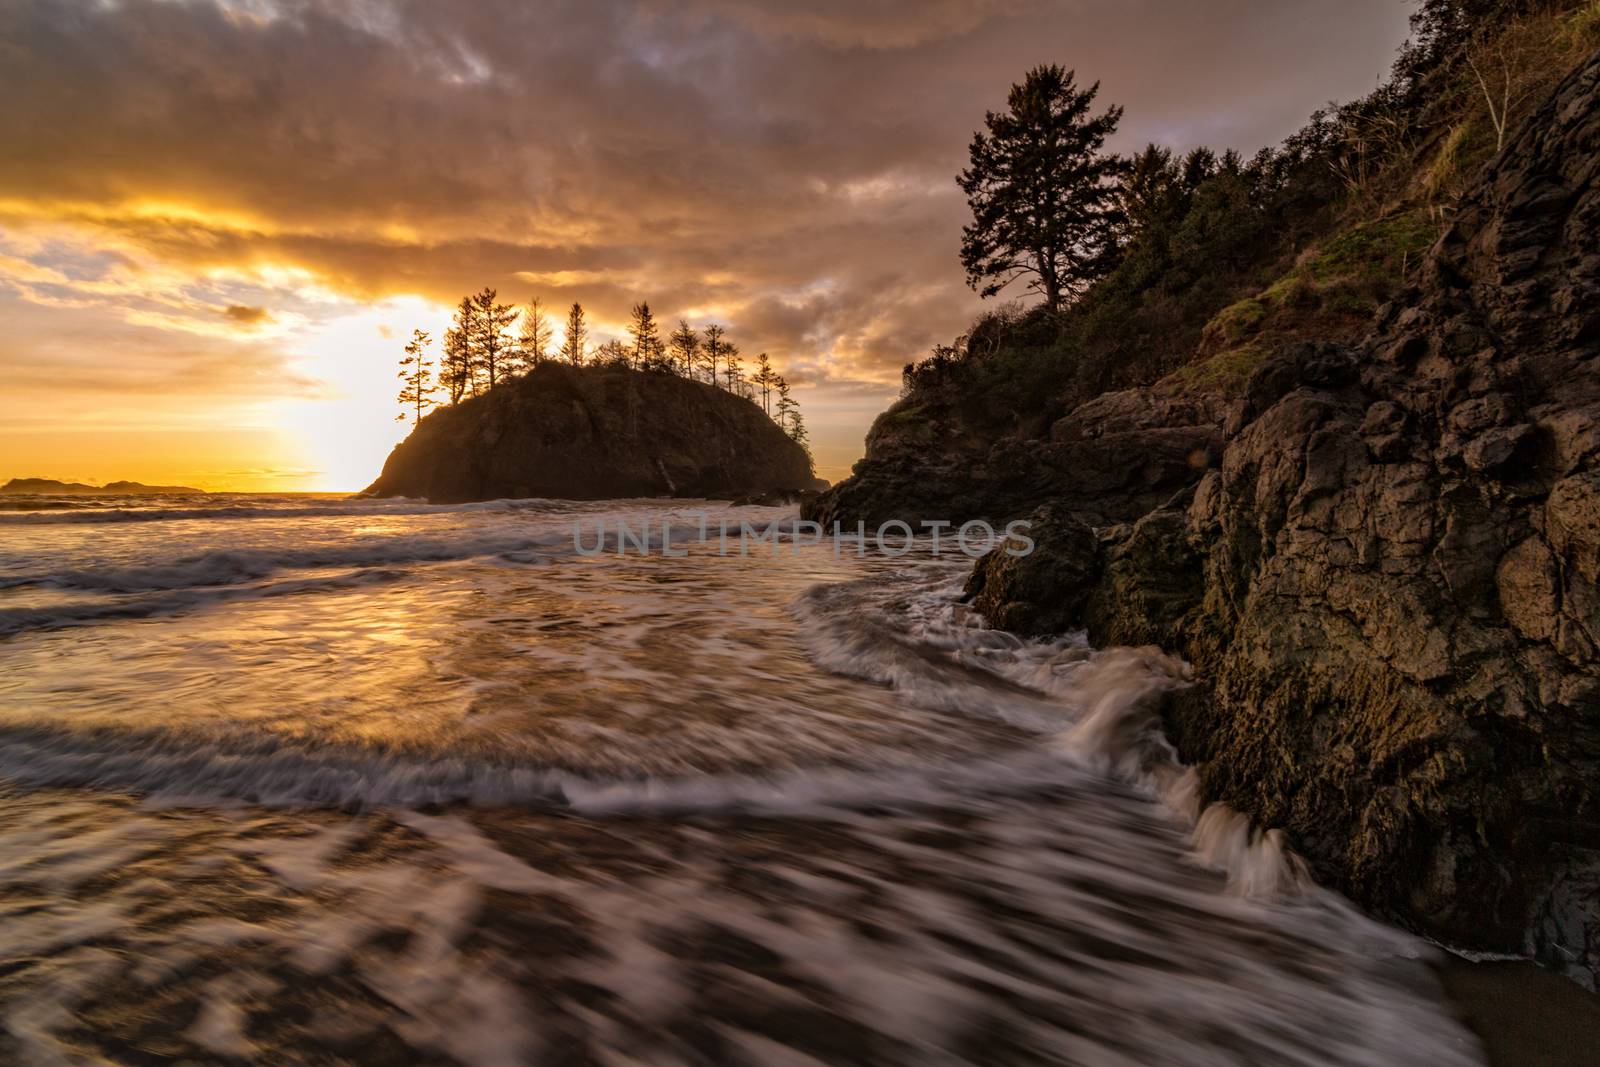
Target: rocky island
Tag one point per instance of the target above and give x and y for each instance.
(592, 433)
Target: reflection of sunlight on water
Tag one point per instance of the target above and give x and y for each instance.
(679, 664)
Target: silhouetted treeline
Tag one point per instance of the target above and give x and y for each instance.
(489, 343)
(1134, 255)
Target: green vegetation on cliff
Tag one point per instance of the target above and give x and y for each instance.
(1330, 431)
(1221, 260)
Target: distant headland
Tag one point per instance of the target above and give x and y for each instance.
(49, 486)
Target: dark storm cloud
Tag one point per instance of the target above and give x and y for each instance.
(785, 166)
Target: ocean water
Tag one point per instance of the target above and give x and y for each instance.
(310, 780)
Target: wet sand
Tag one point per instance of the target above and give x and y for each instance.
(1525, 1015)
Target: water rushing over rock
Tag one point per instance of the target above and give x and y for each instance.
(384, 783)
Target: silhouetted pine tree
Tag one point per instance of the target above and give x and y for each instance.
(764, 378)
(787, 407)
(490, 340)
(1148, 186)
(459, 370)
(712, 351)
(534, 336)
(797, 430)
(572, 346)
(416, 378)
(1042, 190)
(648, 351)
(685, 344)
(732, 376)
(614, 354)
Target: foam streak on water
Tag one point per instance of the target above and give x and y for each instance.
(307, 780)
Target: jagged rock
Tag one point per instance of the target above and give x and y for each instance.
(1045, 591)
(1389, 587)
(592, 433)
(1109, 460)
(1132, 410)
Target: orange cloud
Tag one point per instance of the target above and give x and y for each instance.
(174, 169)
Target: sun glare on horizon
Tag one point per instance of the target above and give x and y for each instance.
(345, 432)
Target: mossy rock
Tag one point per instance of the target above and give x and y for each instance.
(1224, 374)
(1374, 250)
(1237, 321)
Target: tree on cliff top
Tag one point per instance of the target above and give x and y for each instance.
(712, 351)
(572, 347)
(764, 379)
(457, 371)
(685, 348)
(787, 407)
(533, 341)
(613, 353)
(416, 378)
(1042, 190)
(491, 342)
(798, 433)
(648, 351)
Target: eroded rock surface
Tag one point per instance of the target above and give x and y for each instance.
(1389, 585)
(1110, 460)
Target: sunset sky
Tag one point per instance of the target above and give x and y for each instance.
(220, 220)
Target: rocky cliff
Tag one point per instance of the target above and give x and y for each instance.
(1112, 460)
(590, 433)
(1388, 585)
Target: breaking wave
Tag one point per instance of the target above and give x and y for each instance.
(433, 785)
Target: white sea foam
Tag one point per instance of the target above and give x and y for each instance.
(795, 808)
(57, 512)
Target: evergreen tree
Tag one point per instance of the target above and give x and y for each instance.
(731, 374)
(648, 351)
(1148, 187)
(1042, 191)
(787, 407)
(416, 379)
(459, 369)
(685, 348)
(534, 337)
(573, 345)
(614, 354)
(711, 352)
(764, 378)
(1157, 191)
(492, 344)
(797, 431)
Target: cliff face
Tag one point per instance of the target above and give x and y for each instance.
(1389, 587)
(591, 433)
(1112, 459)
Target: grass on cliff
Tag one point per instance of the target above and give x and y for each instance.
(1224, 374)
(1385, 229)
(1330, 294)
(1350, 274)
